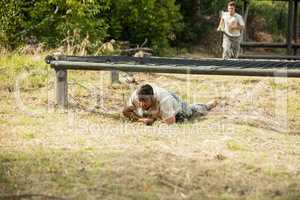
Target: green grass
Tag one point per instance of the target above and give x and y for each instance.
(13, 65)
(28, 136)
(236, 146)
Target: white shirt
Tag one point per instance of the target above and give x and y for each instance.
(230, 20)
(166, 105)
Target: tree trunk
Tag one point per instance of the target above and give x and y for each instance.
(196, 14)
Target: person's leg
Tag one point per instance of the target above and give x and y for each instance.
(191, 112)
(199, 109)
(211, 104)
(180, 117)
(227, 51)
(226, 54)
(236, 45)
(202, 109)
(185, 108)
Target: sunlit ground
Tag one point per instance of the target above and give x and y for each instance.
(248, 147)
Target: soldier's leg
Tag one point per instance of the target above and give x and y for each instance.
(227, 50)
(199, 110)
(202, 109)
(236, 46)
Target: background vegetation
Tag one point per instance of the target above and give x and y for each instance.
(57, 23)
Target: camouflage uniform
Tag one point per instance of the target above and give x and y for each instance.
(189, 111)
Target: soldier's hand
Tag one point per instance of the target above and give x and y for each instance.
(147, 121)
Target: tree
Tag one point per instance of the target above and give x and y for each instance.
(137, 20)
(51, 21)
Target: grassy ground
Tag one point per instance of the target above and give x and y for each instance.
(248, 147)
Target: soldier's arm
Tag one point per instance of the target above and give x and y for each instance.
(221, 24)
(129, 113)
(170, 120)
(241, 24)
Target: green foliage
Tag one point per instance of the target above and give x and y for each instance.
(82, 26)
(213, 7)
(11, 20)
(200, 17)
(61, 22)
(51, 21)
(137, 20)
(195, 14)
(14, 64)
(85, 17)
(274, 14)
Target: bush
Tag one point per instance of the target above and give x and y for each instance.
(138, 20)
(61, 22)
(273, 15)
(11, 22)
(51, 21)
(200, 18)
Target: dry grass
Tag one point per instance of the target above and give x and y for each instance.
(239, 151)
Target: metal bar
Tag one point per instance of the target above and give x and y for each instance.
(244, 39)
(114, 76)
(145, 60)
(263, 45)
(177, 70)
(295, 46)
(280, 0)
(269, 57)
(61, 87)
(295, 23)
(268, 45)
(99, 58)
(184, 61)
(137, 49)
(289, 35)
(202, 62)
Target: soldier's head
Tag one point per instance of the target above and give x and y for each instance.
(231, 7)
(145, 96)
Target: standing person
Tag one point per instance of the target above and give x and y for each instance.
(150, 103)
(232, 25)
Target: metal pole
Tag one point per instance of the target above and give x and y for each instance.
(295, 24)
(264, 45)
(114, 77)
(290, 28)
(243, 38)
(245, 14)
(61, 88)
(281, 57)
(209, 70)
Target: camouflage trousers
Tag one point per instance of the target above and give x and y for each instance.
(231, 46)
(189, 112)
